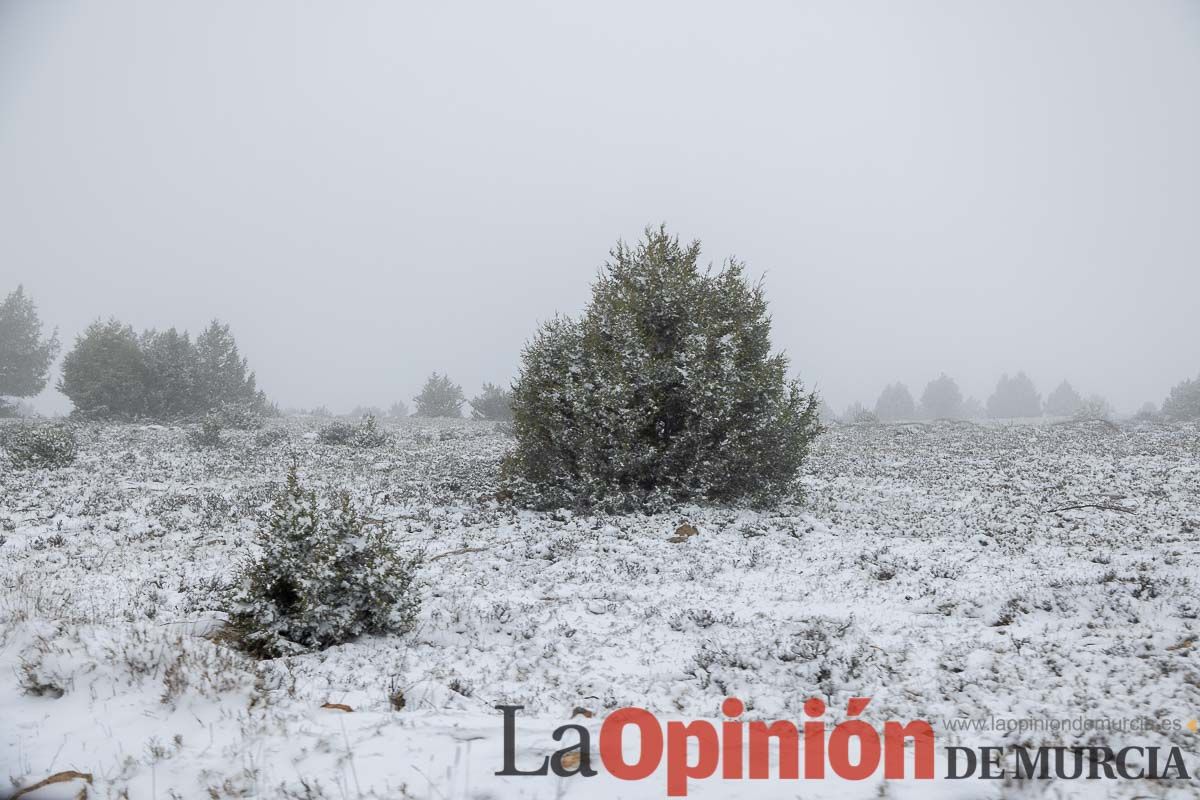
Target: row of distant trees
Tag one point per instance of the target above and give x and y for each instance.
(442, 397)
(1015, 396)
(114, 372)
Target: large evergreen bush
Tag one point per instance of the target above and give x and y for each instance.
(664, 391)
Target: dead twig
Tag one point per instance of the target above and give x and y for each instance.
(1104, 506)
(465, 550)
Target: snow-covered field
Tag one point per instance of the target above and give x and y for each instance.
(924, 568)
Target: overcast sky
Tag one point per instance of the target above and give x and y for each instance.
(371, 191)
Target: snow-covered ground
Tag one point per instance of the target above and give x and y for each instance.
(925, 568)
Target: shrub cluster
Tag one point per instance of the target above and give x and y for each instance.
(324, 577)
(365, 434)
(113, 373)
(664, 391)
(41, 446)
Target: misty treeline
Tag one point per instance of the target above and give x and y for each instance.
(1014, 397)
(664, 390)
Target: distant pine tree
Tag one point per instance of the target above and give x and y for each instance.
(223, 377)
(1064, 401)
(942, 399)
(1183, 403)
(1014, 397)
(172, 369)
(492, 403)
(25, 355)
(895, 403)
(440, 397)
(104, 375)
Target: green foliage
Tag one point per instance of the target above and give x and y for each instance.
(1183, 403)
(365, 434)
(25, 355)
(942, 399)
(209, 434)
(492, 403)
(104, 375)
(39, 446)
(440, 397)
(1014, 397)
(665, 391)
(894, 403)
(322, 578)
(112, 373)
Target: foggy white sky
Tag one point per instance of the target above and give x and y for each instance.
(371, 191)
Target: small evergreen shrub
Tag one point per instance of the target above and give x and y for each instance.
(323, 577)
(665, 391)
(209, 434)
(339, 433)
(39, 446)
(240, 416)
(398, 410)
(270, 437)
(492, 403)
(365, 434)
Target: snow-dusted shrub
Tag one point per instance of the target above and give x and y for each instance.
(1183, 403)
(440, 397)
(240, 416)
(664, 391)
(39, 446)
(336, 433)
(322, 578)
(269, 437)
(365, 434)
(857, 414)
(209, 433)
(493, 402)
(1014, 397)
(1094, 407)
